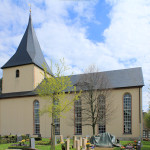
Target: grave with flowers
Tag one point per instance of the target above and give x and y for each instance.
(136, 145)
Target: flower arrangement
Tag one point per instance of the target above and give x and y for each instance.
(27, 140)
(92, 146)
(88, 144)
(122, 147)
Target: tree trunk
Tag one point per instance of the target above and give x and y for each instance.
(53, 135)
(53, 129)
(93, 126)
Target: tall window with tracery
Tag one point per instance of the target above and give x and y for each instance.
(78, 117)
(36, 118)
(101, 111)
(127, 113)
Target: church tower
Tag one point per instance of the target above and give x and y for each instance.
(23, 71)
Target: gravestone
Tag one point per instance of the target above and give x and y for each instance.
(77, 145)
(80, 138)
(67, 143)
(19, 138)
(55, 140)
(139, 145)
(74, 141)
(84, 144)
(86, 139)
(61, 138)
(32, 143)
(28, 135)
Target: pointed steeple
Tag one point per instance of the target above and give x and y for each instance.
(29, 51)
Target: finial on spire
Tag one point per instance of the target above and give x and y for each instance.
(30, 8)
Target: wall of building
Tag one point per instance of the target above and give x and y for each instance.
(115, 126)
(29, 78)
(38, 76)
(23, 83)
(16, 116)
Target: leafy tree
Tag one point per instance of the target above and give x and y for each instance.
(56, 89)
(147, 119)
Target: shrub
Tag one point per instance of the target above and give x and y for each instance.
(38, 138)
(3, 141)
(18, 147)
(58, 141)
(24, 137)
(43, 142)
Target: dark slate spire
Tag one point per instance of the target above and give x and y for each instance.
(29, 51)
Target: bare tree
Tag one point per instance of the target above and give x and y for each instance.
(95, 98)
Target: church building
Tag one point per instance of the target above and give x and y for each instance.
(19, 103)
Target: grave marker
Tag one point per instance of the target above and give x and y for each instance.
(61, 138)
(33, 143)
(77, 145)
(67, 143)
(74, 141)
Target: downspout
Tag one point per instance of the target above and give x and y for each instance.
(140, 115)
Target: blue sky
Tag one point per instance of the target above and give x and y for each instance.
(112, 34)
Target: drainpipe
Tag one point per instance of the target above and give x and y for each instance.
(140, 115)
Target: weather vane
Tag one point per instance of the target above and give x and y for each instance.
(30, 8)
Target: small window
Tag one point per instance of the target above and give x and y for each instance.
(17, 73)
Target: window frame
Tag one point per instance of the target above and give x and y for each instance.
(102, 126)
(17, 73)
(78, 117)
(34, 124)
(127, 93)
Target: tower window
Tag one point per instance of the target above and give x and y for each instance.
(17, 73)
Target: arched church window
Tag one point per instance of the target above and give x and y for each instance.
(17, 73)
(78, 117)
(102, 114)
(36, 118)
(127, 110)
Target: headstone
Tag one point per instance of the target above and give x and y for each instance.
(80, 138)
(74, 141)
(77, 145)
(67, 143)
(86, 139)
(28, 135)
(19, 138)
(33, 143)
(55, 140)
(61, 138)
(139, 145)
(84, 144)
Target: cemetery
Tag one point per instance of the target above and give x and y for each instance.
(26, 142)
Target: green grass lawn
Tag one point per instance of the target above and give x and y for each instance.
(4, 146)
(146, 145)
